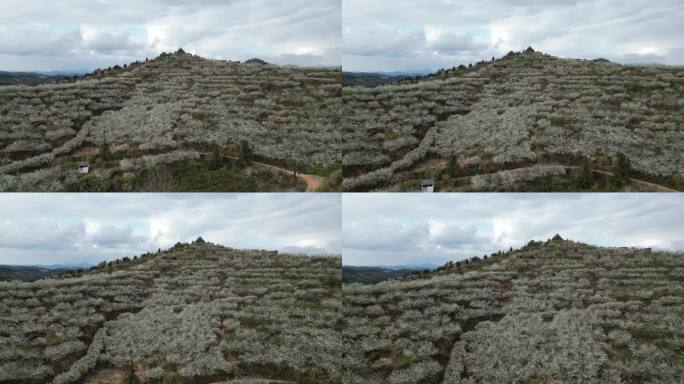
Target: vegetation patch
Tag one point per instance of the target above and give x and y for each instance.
(552, 311)
(526, 107)
(196, 313)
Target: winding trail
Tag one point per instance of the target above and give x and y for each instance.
(254, 381)
(657, 187)
(442, 163)
(313, 182)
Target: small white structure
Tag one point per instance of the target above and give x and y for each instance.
(83, 168)
(427, 186)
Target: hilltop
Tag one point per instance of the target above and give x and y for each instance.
(554, 311)
(195, 313)
(177, 122)
(527, 121)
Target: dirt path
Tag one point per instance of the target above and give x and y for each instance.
(657, 187)
(431, 164)
(253, 381)
(86, 151)
(312, 182)
(106, 376)
(442, 163)
(116, 375)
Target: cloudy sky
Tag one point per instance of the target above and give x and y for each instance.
(400, 35)
(392, 229)
(75, 34)
(70, 228)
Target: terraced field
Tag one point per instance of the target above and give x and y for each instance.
(166, 111)
(526, 111)
(550, 312)
(196, 313)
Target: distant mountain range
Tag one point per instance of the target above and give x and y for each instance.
(37, 78)
(27, 273)
(65, 72)
(64, 265)
(370, 275)
(374, 79)
(37, 272)
(26, 78)
(414, 267)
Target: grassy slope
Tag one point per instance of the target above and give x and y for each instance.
(194, 313)
(523, 109)
(550, 312)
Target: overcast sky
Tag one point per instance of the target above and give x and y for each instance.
(74, 34)
(392, 229)
(393, 35)
(73, 228)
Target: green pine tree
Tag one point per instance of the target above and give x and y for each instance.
(216, 159)
(453, 168)
(245, 154)
(131, 378)
(584, 178)
(105, 153)
(622, 170)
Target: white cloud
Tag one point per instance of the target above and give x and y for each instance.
(459, 32)
(73, 34)
(108, 41)
(58, 228)
(386, 229)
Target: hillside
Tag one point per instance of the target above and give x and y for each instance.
(509, 123)
(161, 124)
(196, 313)
(550, 312)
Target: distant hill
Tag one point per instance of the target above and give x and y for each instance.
(65, 73)
(27, 273)
(366, 79)
(412, 266)
(256, 61)
(27, 78)
(77, 265)
(550, 312)
(368, 275)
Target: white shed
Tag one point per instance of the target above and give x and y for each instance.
(83, 167)
(427, 186)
